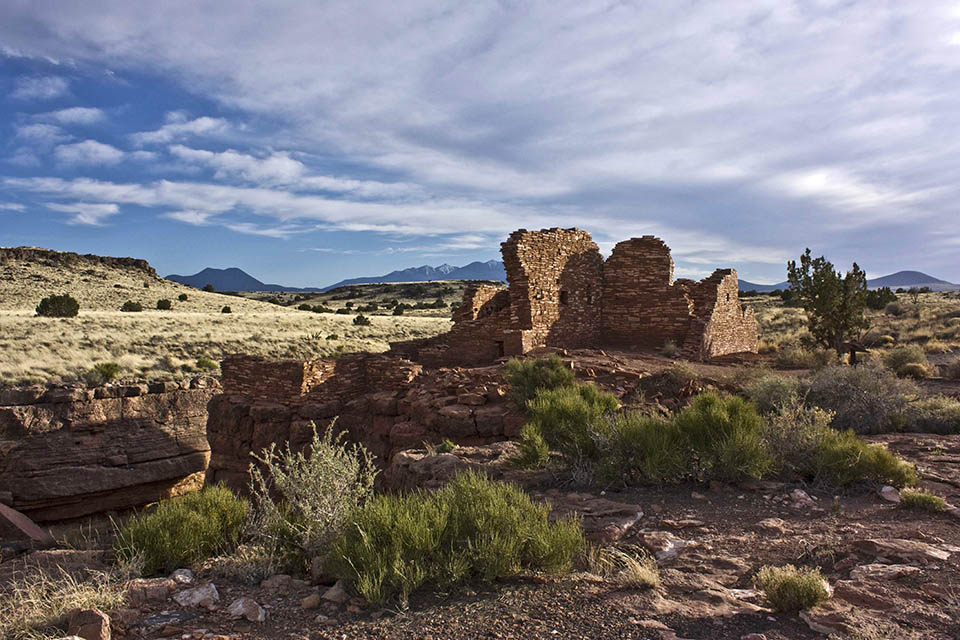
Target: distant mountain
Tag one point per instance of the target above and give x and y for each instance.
(232, 279)
(900, 279)
(489, 270)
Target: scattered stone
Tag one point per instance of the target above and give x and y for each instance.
(247, 608)
(826, 622)
(900, 549)
(772, 525)
(883, 571)
(143, 591)
(336, 594)
(183, 576)
(662, 544)
(753, 636)
(800, 499)
(681, 524)
(312, 601)
(856, 595)
(89, 624)
(890, 494)
(279, 582)
(201, 596)
(697, 496)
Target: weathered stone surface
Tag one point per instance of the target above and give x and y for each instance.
(16, 527)
(899, 549)
(142, 591)
(89, 624)
(336, 594)
(204, 595)
(85, 455)
(247, 608)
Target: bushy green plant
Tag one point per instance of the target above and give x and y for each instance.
(790, 589)
(936, 414)
(635, 447)
(208, 288)
(841, 458)
(793, 435)
(727, 435)
(527, 377)
(302, 501)
(164, 305)
(772, 391)
(795, 356)
(894, 309)
(915, 370)
(131, 307)
(62, 306)
(879, 298)
(899, 358)
(567, 417)
(867, 399)
(206, 364)
(447, 446)
(226, 309)
(922, 500)
(533, 452)
(473, 528)
(183, 297)
(184, 530)
(107, 371)
(361, 320)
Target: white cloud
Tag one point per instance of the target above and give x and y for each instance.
(75, 115)
(40, 88)
(85, 212)
(41, 135)
(88, 152)
(12, 206)
(177, 128)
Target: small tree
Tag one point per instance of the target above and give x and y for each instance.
(834, 303)
(164, 304)
(62, 306)
(182, 297)
(208, 288)
(131, 307)
(226, 309)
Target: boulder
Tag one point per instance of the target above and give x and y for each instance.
(16, 527)
(900, 549)
(202, 596)
(144, 591)
(336, 594)
(247, 608)
(89, 624)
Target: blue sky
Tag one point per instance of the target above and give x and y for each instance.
(311, 141)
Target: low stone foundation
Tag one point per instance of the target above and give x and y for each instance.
(67, 453)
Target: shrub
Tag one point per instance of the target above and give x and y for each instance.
(62, 306)
(914, 370)
(636, 447)
(770, 392)
(206, 364)
(841, 458)
(399, 309)
(302, 501)
(473, 528)
(727, 435)
(208, 288)
(922, 500)
(790, 589)
(867, 399)
(164, 305)
(447, 446)
(568, 416)
(131, 307)
(952, 370)
(894, 309)
(628, 569)
(226, 309)
(361, 320)
(879, 298)
(184, 530)
(105, 371)
(799, 357)
(936, 414)
(669, 349)
(527, 377)
(305, 307)
(897, 359)
(534, 452)
(794, 435)
(183, 297)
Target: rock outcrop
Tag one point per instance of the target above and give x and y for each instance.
(67, 453)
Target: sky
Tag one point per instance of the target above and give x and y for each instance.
(306, 142)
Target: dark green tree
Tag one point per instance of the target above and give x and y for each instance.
(834, 302)
(62, 306)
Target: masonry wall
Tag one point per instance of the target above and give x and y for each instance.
(727, 326)
(556, 280)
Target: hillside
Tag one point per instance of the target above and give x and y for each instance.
(231, 279)
(100, 283)
(489, 270)
(900, 279)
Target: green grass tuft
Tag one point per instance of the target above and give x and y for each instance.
(922, 500)
(790, 589)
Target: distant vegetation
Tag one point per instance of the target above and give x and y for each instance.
(62, 306)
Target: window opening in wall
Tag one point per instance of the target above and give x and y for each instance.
(500, 351)
(564, 297)
(728, 297)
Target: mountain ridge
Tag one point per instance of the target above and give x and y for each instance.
(904, 279)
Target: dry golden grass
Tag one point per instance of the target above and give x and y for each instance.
(158, 345)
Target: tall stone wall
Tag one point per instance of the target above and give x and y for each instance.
(726, 326)
(556, 280)
(67, 453)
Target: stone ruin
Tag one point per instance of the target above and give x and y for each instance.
(563, 294)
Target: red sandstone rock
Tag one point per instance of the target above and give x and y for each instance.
(16, 527)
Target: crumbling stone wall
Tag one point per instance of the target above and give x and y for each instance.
(724, 325)
(384, 402)
(71, 452)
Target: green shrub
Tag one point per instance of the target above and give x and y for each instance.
(208, 288)
(770, 392)
(473, 528)
(936, 414)
(899, 358)
(107, 370)
(447, 446)
(206, 364)
(841, 458)
(727, 435)
(914, 370)
(182, 531)
(568, 416)
(183, 297)
(361, 320)
(922, 500)
(790, 589)
(302, 501)
(164, 305)
(793, 436)
(534, 452)
(62, 306)
(131, 307)
(879, 298)
(867, 399)
(226, 309)
(635, 447)
(894, 309)
(794, 356)
(527, 377)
